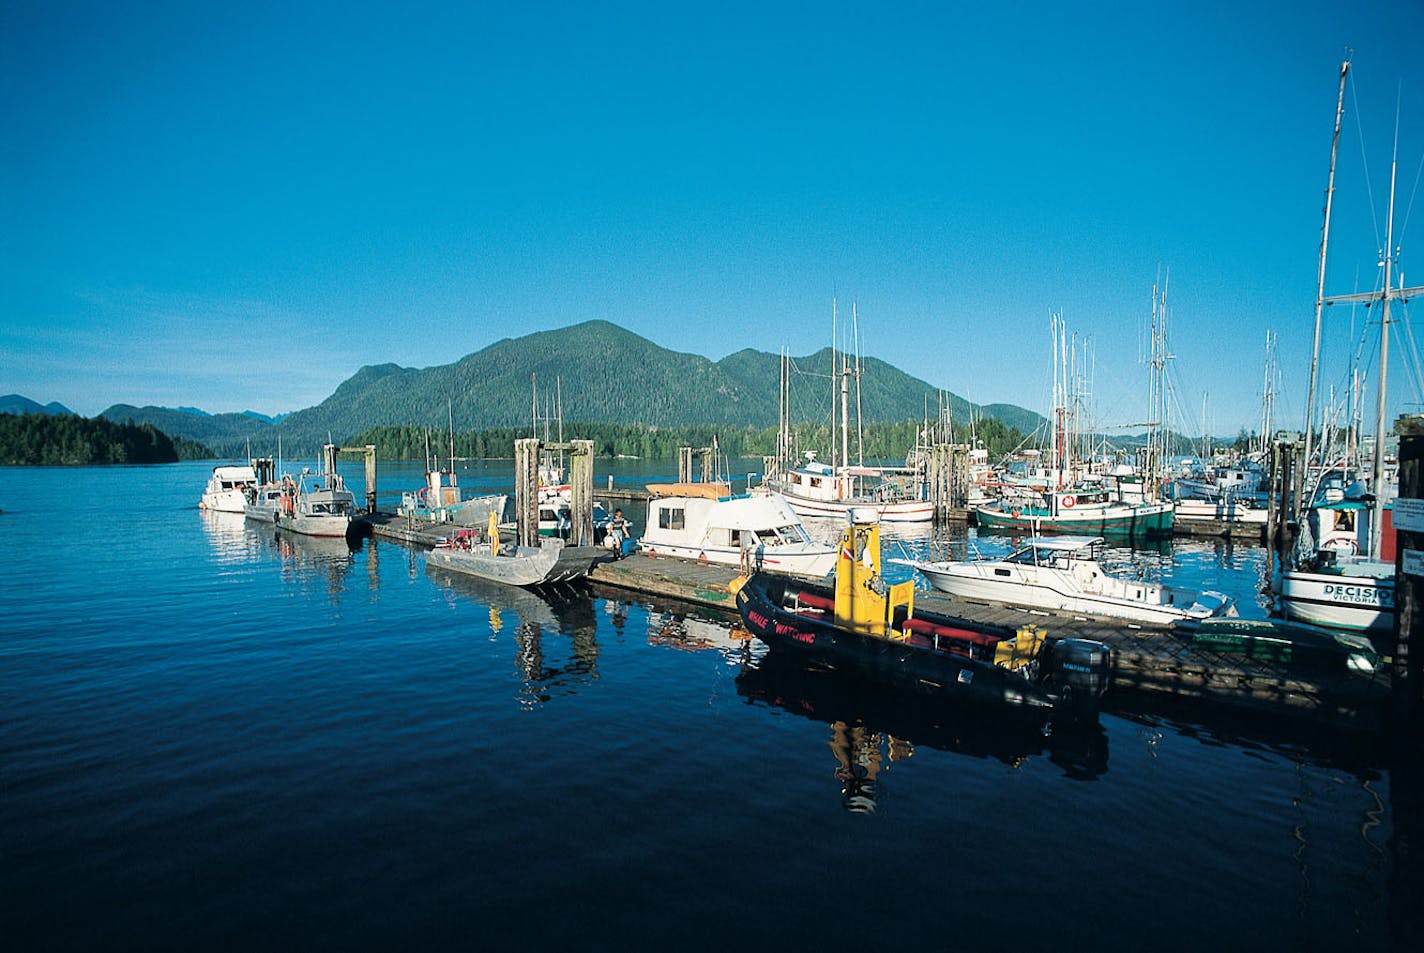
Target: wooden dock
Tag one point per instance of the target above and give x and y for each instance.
(1147, 661)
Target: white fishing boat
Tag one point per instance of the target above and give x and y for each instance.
(834, 489)
(1219, 510)
(315, 508)
(227, 488)
(1085, 510)
(262, 502)
(1340, 584)
(816, 489)
(484, 555)
(708, 523)
(441, 500)
(1343, 575)
(1065, 574)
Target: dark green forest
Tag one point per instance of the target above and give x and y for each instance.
(881, 441)
(71, 440)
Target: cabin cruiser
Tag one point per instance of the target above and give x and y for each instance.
(226, 491)
(1063, 574)
(706, 522)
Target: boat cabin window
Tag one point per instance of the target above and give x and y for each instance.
(672, 517)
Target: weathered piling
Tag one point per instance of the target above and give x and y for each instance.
(1409, 570)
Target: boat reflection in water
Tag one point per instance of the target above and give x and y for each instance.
(533, 615)
(691, 633)
(873, 726)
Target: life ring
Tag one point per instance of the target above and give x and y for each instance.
(422, 496)
(1069, 502)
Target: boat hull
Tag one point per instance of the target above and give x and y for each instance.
(900, 511)
(919, 669)
(1337, 600)
(313, 525)
(772, 560)
(550, 562)
(1145, 521)
(1052, 591)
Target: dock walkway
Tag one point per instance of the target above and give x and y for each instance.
(1146, 659)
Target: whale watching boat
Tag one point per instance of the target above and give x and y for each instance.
(1064, 574)
(706, 522)
(864, 623)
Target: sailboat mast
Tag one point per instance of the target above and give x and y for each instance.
(1377, 472)
(835, 382)
(1320, 287)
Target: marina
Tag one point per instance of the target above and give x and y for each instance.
(376, 722)
(1155, 660)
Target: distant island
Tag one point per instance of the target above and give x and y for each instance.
(46, 439)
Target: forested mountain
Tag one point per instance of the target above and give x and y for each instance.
(605, 375)
(40, 439)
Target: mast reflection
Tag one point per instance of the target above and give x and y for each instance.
(873, 727)
(531, 615)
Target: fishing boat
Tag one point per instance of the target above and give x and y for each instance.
(864, 623)
(226, 491)
(441, 500)
(315, 507)
(264, 500)
(1065, 574)
(1341, 576)
(1345, 581)
(815, 488)
(708, 523)
(1079, 511)
(484, 555)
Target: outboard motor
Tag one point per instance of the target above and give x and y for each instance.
(1078, 670)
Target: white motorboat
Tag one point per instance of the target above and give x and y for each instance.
(227, 488)
(706, 522)
(1063, 574)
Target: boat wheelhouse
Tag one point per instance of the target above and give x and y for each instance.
(706, 522)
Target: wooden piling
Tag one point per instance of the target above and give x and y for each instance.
(1405, 673)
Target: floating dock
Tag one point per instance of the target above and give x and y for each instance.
(1147, 660)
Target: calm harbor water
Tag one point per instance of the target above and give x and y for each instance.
(213, 735)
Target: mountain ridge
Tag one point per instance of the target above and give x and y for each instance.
(604, 373)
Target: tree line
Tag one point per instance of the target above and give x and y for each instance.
(875, 441)
(71, 440)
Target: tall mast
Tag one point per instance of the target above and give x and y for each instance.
(1320, 289)
(1387, 294)
(859, 424)
(835, 381)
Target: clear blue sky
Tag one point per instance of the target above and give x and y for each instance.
(237, 206)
